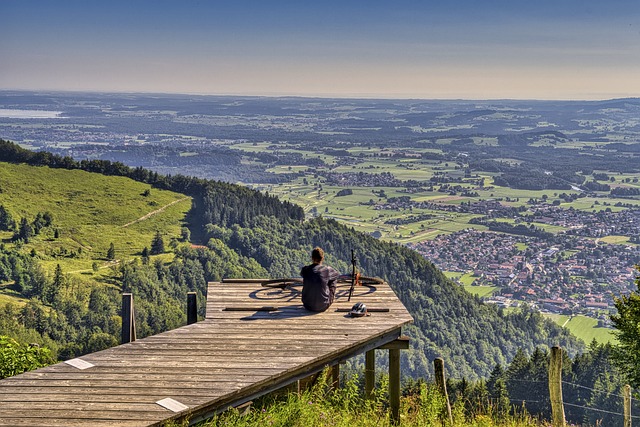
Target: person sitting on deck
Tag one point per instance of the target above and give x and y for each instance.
(318, 283)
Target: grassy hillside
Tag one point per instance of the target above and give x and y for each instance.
(90, 211)
(585, 328)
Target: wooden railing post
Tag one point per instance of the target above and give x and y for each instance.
(192, 308)
(555, 387)
(627, 405)
(441, 382)
(369, 373)
(128, 319)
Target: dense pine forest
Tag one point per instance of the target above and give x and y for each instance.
(238, 232)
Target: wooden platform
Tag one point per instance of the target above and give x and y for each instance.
(229, 358)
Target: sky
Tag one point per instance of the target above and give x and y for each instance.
(445, 49)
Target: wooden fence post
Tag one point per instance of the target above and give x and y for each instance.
(555, 387)
(627, 405)
(192, 308)
(128, 319)
(438, 366)
(369, 373)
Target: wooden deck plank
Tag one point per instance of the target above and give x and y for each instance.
(227, 359)
(89, 415)
(84, 406)
(53, 422)
(161, 392)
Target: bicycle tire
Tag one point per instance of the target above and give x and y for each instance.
(281, 283)
(363, 280)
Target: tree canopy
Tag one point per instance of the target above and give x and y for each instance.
(627, 324)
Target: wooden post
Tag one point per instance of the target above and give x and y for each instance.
(128, 319)
(394, 385)
(335, 376)
(192, 308)
(627, 405)
(369, 373)
(555, 387)
(438, 366)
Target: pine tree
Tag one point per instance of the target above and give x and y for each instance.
(111, 253)
(517, 371)
(6, 220)
(157, 244)
(185, 234)
(53, 290)
(539, 387)
(38, 223)
(496, 376)
(25, 232)
(145, 256)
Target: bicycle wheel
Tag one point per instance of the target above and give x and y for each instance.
(281, 283)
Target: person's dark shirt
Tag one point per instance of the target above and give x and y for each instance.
(319, 286)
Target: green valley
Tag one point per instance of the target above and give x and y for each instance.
(247, 234)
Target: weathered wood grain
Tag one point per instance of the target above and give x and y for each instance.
(229, 358)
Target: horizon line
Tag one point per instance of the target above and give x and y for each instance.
(394, 97)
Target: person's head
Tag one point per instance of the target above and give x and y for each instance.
(317, 255)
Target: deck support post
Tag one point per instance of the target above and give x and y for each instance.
(335, 376)
(394, 385)
(128, 319)
(369, 373)
(394, 347)
(192, 308)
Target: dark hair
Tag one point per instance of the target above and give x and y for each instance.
(317, 254)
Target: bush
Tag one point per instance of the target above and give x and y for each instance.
(16, 358)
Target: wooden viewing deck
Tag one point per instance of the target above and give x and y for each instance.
(236, 354)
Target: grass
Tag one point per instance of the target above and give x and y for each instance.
(615, 239)
(90, 211)
(560, 319)
(466, 280)
(521, 246)
(481, 291)
(9, 296)
(346, 407)
(585, 328)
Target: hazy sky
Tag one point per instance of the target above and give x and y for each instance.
(559, 49)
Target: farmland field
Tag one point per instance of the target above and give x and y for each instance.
(585, 328)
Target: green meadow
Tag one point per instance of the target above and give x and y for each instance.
(90, 212)
(585, 328)
(467, 279)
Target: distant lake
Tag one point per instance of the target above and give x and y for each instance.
(29, 114)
